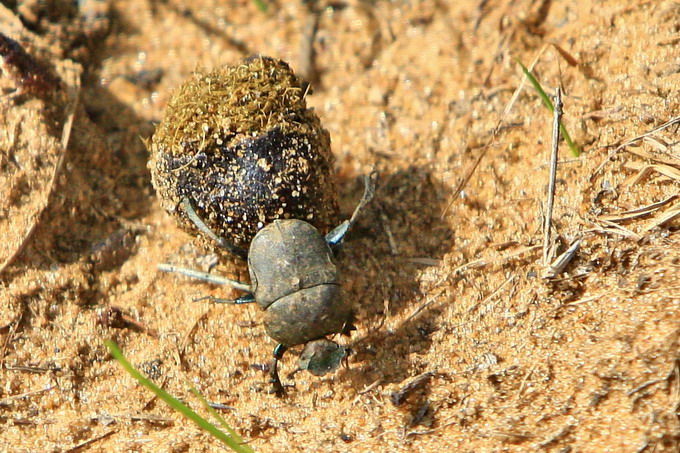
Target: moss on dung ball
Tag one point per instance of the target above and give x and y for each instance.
(240, 143)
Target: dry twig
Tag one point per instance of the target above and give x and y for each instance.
(473, 167)
(556, 267)
(557, 117)
(627, 143)
(73, 72)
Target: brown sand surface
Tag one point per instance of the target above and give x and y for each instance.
(445, 281)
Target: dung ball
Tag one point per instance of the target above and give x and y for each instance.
(240, 144)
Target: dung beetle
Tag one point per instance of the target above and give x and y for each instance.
(295, 281)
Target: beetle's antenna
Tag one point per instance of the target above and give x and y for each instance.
(211, 278)
(200, 224)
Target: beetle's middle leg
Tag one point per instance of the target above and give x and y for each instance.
(247, 298)
(216, 279)
(206, 277)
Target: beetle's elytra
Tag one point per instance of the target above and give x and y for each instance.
(240, 144)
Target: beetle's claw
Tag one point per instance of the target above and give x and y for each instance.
(277, 388)
(349, 325)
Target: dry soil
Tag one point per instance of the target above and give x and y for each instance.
(459, 320)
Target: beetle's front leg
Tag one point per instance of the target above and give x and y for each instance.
(274, 379)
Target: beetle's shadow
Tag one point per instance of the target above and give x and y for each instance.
(396, 238)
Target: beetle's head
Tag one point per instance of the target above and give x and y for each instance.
(321, 356)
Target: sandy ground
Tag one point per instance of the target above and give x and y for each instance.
(447, 282)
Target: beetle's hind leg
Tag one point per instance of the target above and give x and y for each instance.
(216, 279)
(335, 237)
(200, 224)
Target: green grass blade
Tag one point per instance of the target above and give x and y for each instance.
(261, 5)
(176, 404)
(221, 420)
(548, 103)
